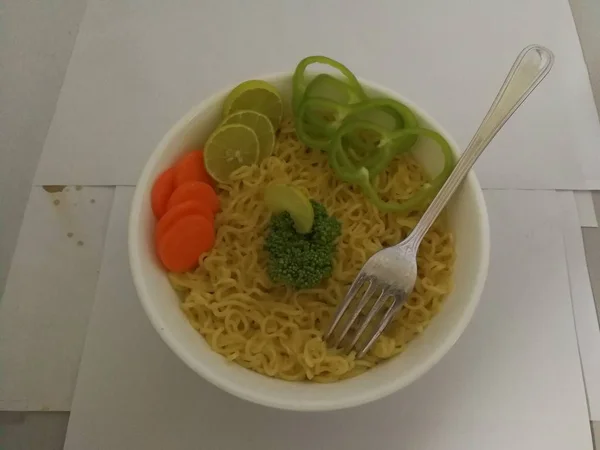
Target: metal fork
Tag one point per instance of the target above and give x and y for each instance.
(391, 272)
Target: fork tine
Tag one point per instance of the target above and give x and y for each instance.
(374, 310)
(361, 304)
(343, 306)
(387, 318)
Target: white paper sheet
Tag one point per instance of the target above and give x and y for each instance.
(584, 308)
(585, 209)
(139, 65)
(49, 295)
(583, 113)
(512, 381)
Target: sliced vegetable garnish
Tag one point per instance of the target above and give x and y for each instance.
(298, 260)
(161, 192)
(195, 191)
(324, 103)
(299, 82)
(229, 148)
(177, 212)
(325, 99)
(283, 197)
(361, 135)
(332, 88)
(183, 244)
(191, 168)
(386, 112)
(255, 95)
(260, 124)
(318, 132)
(347, 171)
(390, 114)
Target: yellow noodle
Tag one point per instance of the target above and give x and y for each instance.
(277, 331)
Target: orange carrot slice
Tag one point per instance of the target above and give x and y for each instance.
(197, 191)
(161, 192)
(173, 215)
(183, 244)
(191, 168)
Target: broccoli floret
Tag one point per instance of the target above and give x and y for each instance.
(302, 260)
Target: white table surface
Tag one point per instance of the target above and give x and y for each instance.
(586, 212)
(582, 299)
(139, 65)
(39, 56)
(49, 295)
(36, 40)
(507, 383)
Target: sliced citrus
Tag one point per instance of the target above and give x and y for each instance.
(261, 125)
(283, 197)
(229, 148)
(255, 95)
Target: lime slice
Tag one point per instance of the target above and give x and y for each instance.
(283, 197)
(260, 124)
(229, 148)
(255, 95)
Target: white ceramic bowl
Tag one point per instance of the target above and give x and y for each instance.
(469, 223)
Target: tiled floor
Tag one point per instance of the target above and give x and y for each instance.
(42, 35)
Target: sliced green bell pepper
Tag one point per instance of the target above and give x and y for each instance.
(299, 83)
(349, 172)
(318, 132)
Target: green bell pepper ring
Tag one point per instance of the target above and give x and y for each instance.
(332, 88)
(299, 83)
(340, 154)
(403, 118)
(318, 133)
(349, 172)
(326, 87)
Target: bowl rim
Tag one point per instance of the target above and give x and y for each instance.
(366, 395)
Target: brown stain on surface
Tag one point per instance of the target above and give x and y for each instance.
(69, 234)
(80, 243)
(93, 200)
(56, 202)
(54, 188)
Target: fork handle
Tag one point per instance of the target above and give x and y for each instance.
(530, 67)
